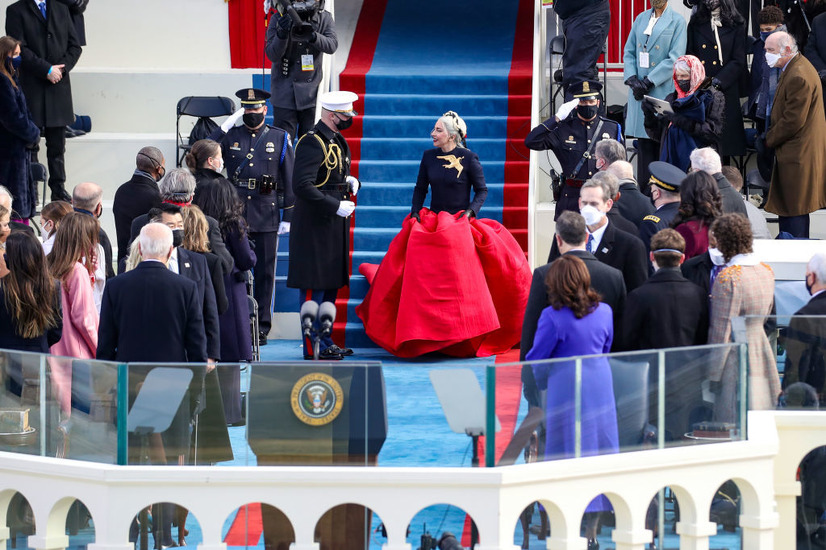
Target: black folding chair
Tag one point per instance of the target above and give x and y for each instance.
(198, 107)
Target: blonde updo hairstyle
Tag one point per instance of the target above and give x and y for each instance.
(455, 127)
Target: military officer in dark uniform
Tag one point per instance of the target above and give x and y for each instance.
(572, 139)
(665, 194)
(320, 240)
(259, 161)
(296, 51)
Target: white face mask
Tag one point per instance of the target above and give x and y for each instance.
(772, 59)
(591, 214)
(220, 167)
(716, 256)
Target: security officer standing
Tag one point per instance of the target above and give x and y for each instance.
(665, 194)
(295, 47)
(320, 241)
(259, 161)
(573, 139)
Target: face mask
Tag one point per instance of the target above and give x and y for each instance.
(14, 62)
(772, 59)
(808, 286)
(46, 230)
(764, 35)
(684, 85)
(591, 214)
(220, 167)
(587, 112)
(716, 256)
(253, 120)
(161, 173)
(344, 124)
(177, 237)
(658, 4)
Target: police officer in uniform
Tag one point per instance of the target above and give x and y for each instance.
(665, 194)
(572, 138)
(295, 49)
(320, 240)
(259, 162)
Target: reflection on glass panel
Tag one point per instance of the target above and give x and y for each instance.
(625, 401)
(57, 406)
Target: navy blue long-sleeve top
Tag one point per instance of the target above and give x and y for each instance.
(450, 176)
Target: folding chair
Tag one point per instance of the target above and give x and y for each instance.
(198, 107)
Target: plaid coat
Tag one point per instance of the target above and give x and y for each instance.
(743, 290)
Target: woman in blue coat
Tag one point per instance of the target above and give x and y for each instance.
(656, 40)
(17, 130)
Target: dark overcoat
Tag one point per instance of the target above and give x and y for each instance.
(702, 44)
(132, 199)
(806, 346)
(298, 89)
(16, 131)
(44, 43)
(320, 239)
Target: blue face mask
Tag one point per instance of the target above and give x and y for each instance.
(765, 35)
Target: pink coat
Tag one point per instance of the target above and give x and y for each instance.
(80, 317)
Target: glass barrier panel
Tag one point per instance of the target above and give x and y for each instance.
(58, 406)
(618, 402)
(789, 353)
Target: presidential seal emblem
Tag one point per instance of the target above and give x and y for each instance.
(317, 399)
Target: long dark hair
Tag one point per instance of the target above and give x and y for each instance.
(699, 200)
(729, 14)
(76, 240)
(569, 285)
(29, 289)
(219, 200)
(7, 47)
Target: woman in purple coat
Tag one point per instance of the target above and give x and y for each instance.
(220, 201)
(576, 323)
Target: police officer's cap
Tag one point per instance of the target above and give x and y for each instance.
(666, 176)
(252, 98)
(339, 102)
(586, 90)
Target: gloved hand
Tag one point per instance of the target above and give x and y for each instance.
(566, 109)
(284, 25)
(268, 6)
(415, 216)
(637, 87)
(283, 228)
(355, 185)
(648, 84)
(304, 32)
(822, 74)
(468, 213)
(231, 120)
(716, 83)
(345, 208)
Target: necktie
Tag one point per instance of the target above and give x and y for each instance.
(714, 272)
(42, 6)
(589, 246)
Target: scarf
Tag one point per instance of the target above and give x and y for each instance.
(716, 23)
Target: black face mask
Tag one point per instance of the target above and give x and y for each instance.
(586, 111)
(343, 124)
(161, 173)
(684, 85)
(177, 237)
(808, 286)
(253, 120)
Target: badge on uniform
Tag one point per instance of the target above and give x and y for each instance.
(235, 146)
(307, 62)
(605, 135)
(270, 147)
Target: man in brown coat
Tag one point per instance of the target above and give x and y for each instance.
(798, 133)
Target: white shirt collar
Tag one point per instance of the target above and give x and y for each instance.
(598, 235)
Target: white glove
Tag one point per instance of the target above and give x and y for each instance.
(283, 228)
(566, 109)
(345, 208)
(233, 118)
(355, 184)
(267, 6)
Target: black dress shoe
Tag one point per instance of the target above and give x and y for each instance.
(61, 195)
(344, 352)
(262, 338)
(593, 544)
(327, 355)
